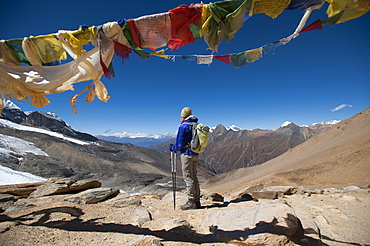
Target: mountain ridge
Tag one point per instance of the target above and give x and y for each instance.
(338, 156)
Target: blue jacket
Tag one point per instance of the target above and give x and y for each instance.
(184, 137)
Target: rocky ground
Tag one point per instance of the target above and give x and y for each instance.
(255, 215)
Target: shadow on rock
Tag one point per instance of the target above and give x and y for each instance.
(180, 234)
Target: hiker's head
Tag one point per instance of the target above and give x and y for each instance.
(185, 112)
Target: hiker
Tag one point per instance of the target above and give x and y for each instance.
(189, 159)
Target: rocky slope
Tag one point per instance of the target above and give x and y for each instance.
(230, 149)
(317, 193)
(120, 165)
(338, 156)
(70, 212)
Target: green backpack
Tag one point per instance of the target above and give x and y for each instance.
(199, 139)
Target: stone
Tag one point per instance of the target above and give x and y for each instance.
(92, 196)
(7, 197)
(271, 222)
(317, 191)
(246, 194)
(180, 227)
(120, 202)
(138, 216)
(22, 190)
(6, 225)
(286, 190)
(176, 222)
(351, 188)
(55, 186)
(144, 240)
(266, 194)
(215, 197)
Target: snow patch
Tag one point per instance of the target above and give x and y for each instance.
(286, 123)
(234, 128)
(15, 146)
(9, 104)
(9, 176)
(139, 135)
(332, 122)
(15, 126)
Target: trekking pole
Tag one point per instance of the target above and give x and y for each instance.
(173, 167)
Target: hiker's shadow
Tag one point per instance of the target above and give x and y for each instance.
(179, 234)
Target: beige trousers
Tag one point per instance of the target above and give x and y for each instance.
(189, 166)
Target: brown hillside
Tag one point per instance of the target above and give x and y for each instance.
(335, 157)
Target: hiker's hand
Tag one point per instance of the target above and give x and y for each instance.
(171, 145)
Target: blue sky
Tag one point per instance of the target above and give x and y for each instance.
(302, 82)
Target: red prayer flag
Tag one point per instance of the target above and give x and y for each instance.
(316, 25)
(181, 18)
(134, 32)
(224, 58)
(122, 50)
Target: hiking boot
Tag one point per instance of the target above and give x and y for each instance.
(189, 205)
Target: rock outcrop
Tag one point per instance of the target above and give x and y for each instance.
(105, 216)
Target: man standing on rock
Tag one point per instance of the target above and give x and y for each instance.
(189, 159)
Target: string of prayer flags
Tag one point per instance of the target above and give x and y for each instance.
(31, 67)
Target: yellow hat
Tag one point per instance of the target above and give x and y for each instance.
(185, 112)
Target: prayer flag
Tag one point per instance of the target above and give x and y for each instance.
(316, 25)
(207, 59)
(239, 59)
(223, 58)
(271, 47)
(254, 55)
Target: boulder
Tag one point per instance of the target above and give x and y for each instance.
(145, 240)
(6, 225)
(268, 222)
(180, 227)
(266, 194)
(351, 188)
(286, 190)
(214, 197)
(92, 196)
(246, 194)
(138, 215)
(120, 202)
(23, 190)
(176, 222)
(55, 186)
(7, 197)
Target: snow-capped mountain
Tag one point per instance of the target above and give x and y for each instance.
(139, 139)
(44, 145)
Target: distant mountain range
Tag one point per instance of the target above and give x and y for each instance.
(143, 140)
(44, 145)
(151, 140)
(232, 148)
(337, 157)
(121, 160)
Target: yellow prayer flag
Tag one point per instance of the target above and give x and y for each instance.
(271, 8)
(352, 8)
(254, 55)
